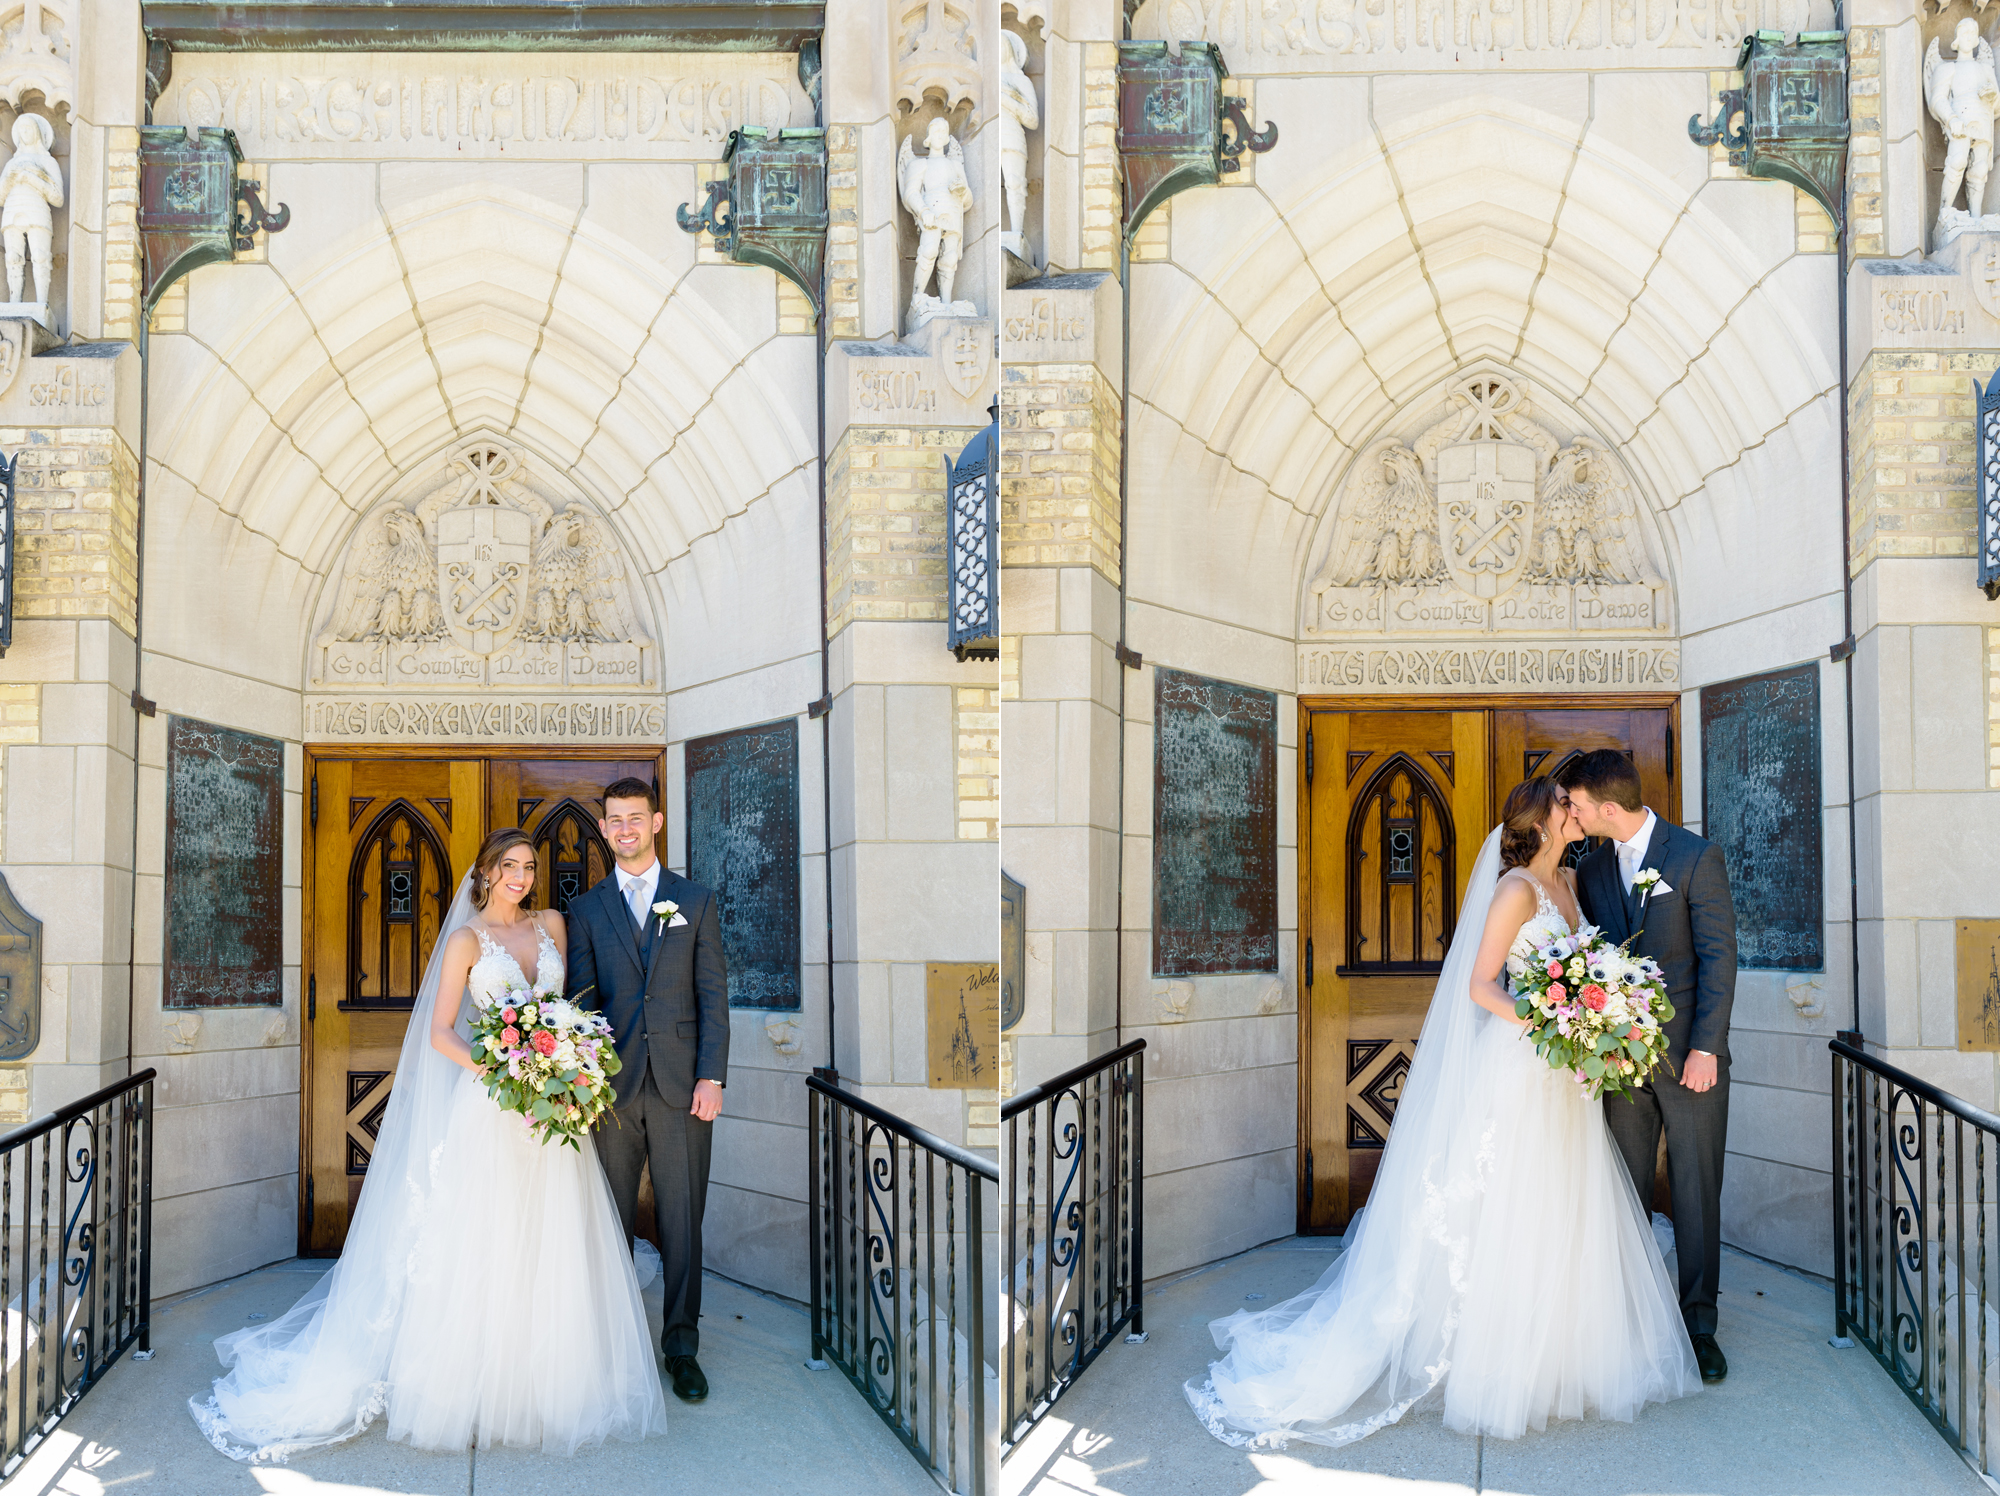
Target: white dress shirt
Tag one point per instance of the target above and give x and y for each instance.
(1631, 852)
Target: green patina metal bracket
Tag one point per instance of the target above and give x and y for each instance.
(188, 196)
(1788, 122)
(1176, 127)
(771, 209)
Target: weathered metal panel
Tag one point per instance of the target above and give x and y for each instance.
(486, 25)
(1215, 827)
(20, 977)
(743, 845)
(225, 867)
(1760, 803)
(962, 1024)
(187, 202)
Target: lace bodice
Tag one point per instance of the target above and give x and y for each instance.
(1547, 923)
(496, 970)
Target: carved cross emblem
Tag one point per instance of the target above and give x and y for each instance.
(965, 354)
(1486, 495)
(1985, 266)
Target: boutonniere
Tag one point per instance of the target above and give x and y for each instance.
(667, 909)
(1649, 883)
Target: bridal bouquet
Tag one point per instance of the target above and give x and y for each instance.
(1592, 1007)
(545, 1058)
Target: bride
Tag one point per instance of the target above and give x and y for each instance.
(1503, 1268)
(486, 1293)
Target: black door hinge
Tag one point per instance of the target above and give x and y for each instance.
(1309, 1181)
(1309, 961)
(309, 1209)
(1670, 753)
(312, 998)
(1309, 755)
(315, 800)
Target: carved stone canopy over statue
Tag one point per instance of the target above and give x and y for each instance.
(1484, 520)
(484, 576)
(1963, 96)
(937, 194)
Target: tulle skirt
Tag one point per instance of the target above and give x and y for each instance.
(1539, 1292)
(520, 1323)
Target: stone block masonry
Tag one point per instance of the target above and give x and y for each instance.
(1993, 708)
(20, 723)
(76, 523)
(1103, 198)
(1059, 467)
(976, 729)
(1864, 147)
(1910, 424)
(843, 233)
(122, 264)
(885, 522)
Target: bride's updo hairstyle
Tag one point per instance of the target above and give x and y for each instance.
(495, 847)
(1529, 805)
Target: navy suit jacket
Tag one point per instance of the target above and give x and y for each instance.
(1690, 931)
(666, 991)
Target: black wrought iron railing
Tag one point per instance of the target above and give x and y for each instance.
(900, 1300)
(76, 1276)
(1073, 1152)
(1916, 1246)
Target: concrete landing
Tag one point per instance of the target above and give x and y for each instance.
(1795, 1417)
(768, 1423)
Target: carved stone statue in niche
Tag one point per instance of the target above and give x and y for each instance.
(483, 579)
(937, 195)
(31, 186)
(1963, 96)
(1485, 521)
(1020, 112)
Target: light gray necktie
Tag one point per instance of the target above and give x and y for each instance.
(1628, 863)
(635, 900)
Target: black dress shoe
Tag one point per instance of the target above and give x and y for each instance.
(691, 1386)
(1707, 1355)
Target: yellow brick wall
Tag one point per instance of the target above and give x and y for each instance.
(843, 234)
(1993, 708)
(1910, 426)
(885, 523)
(76, 517)
(122, 272)
(976, 728)
(1103, 198)
(1059, 467)
(20, 722)
(1864, 146)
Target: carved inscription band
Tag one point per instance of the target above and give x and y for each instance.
(487, 719)
(445, 106)
(1606, 667)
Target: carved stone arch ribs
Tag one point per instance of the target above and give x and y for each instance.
(484, 568)
(399, 886)
(1401, 873)
(1484, 509)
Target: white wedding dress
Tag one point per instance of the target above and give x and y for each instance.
(485, 1296)
(1502, 1270)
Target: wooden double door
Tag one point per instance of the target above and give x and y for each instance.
(1397, 798)
(388, 836)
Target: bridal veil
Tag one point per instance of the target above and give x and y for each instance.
(318, 1374)
(1373, 1336)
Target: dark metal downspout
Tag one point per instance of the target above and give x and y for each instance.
(823, 708)
(1125, 658)
(141, 707)
(1843, 652)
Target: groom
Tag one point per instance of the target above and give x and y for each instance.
(648, 941)
(1669, 887)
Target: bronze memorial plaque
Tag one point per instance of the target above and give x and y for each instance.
(962, 1013)
(1979, 984)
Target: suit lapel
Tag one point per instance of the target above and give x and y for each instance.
(649, 943)
(1611, 898)
(1649, 855)
(620, 915)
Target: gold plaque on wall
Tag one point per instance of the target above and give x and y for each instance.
(1979, 984)
(962, 1015)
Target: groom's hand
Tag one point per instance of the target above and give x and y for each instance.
(1698, 1074)
(708, 1100)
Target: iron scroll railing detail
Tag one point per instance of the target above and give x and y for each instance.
(897, 1239)
(1073, 1150)
(1986, 401)
(76, 1275)
(1913, 1249)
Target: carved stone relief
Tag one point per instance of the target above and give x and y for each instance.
(483, 572)
(38, 52)
(1377, 35)
(1482, 519)
(935, 52)
(287, 106)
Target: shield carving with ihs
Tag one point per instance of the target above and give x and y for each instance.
(1486, 504)
(484, 553)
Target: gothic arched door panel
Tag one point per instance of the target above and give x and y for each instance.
(558, 803)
